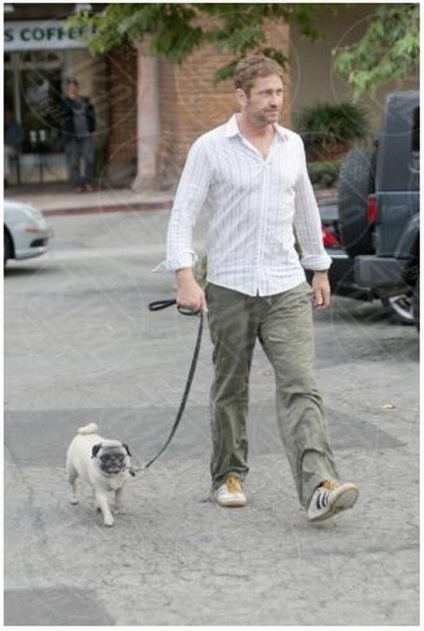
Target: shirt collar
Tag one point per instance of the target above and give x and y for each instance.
(232, 129)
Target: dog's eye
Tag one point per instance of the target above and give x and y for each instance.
(107, 457)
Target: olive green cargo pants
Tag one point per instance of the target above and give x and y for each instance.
(283, 325)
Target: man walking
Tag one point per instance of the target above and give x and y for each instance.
(251, 173)
(78, 127)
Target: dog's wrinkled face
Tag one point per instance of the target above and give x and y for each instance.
(111, 459)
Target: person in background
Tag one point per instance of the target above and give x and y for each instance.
(78, 125)
(250, 173)
(14, 136)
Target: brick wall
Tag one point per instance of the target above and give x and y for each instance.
(122, 71)
(190, 103)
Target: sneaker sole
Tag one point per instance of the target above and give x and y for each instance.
(341, 502)
(232, 503)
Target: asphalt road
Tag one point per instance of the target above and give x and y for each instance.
(81, 345)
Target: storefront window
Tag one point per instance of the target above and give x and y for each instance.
(32, 91)
(34, 77)
(38, 92)
(40, 56)
(41, 92)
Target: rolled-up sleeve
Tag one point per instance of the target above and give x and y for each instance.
(189, 200)
(307, 222)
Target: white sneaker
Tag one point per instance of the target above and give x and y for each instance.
(330, 498)
(230, 494)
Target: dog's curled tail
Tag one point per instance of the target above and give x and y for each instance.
(91, 428)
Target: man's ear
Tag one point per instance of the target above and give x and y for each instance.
(241, 97)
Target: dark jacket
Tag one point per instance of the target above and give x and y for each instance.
(67, 115)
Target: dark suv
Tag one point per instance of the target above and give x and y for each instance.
(378, 212)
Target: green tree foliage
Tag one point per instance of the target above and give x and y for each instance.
(388, 50)
(175, 30)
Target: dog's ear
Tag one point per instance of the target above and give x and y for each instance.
(95, 450)
(127, 449)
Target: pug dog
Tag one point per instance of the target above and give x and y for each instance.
(105, 464)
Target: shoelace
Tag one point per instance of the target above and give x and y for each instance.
(330, 485)
(233, 485)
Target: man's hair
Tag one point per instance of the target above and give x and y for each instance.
(72, 82)
(253, 66)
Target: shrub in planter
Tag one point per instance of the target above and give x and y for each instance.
(329, 131)
(324, 174)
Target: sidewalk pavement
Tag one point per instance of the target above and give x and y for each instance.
(82, 346)
(57, 200)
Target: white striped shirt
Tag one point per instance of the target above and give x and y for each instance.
(253, 203)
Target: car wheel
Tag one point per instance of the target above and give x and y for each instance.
(401, 306)
(416, 305)
(7, 248)
(356, 183)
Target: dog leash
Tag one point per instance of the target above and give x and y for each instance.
(158, 305)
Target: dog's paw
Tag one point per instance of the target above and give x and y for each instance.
(74, 501)
(108, 521)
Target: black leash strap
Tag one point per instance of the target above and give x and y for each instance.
(158, 305)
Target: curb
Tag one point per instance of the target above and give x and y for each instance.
(88, 210)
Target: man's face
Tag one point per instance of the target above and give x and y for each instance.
(263, 104)
(72, 90)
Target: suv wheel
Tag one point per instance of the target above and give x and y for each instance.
(356, 182)
(401, 306)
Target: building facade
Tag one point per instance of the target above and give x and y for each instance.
(148, 111)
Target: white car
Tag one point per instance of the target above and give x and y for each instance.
(26, 231)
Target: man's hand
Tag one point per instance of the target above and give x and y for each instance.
(189, 293)
(321, 290)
